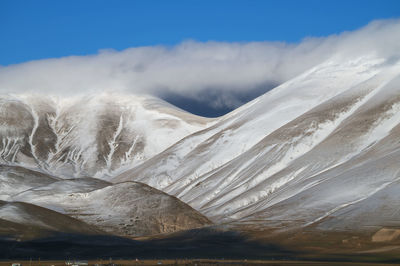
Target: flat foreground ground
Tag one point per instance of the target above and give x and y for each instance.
(198, 262)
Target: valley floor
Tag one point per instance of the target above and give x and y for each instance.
(198, 262)
(215, 247)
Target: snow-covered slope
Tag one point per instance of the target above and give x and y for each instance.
(97, 135)
(306, 151)
(127, 209)
(15, 179)
(243, 128)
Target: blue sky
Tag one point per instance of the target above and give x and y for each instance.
(31, 30)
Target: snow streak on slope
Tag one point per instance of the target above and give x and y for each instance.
(94, 136)
(313, 146)
(290, 143)
(243, 128)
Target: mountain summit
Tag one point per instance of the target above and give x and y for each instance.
(321, 149)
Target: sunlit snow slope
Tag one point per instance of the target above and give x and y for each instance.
(96, 136)
(321, 149)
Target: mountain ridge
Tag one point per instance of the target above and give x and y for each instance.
(355, 98)
(92, 136)
(316, 155)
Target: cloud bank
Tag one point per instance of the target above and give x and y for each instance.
(191, 69)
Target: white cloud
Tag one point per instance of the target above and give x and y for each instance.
(192, 67)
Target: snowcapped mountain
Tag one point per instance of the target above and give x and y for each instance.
(94, 136)
(56, 153)
(321, 149)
